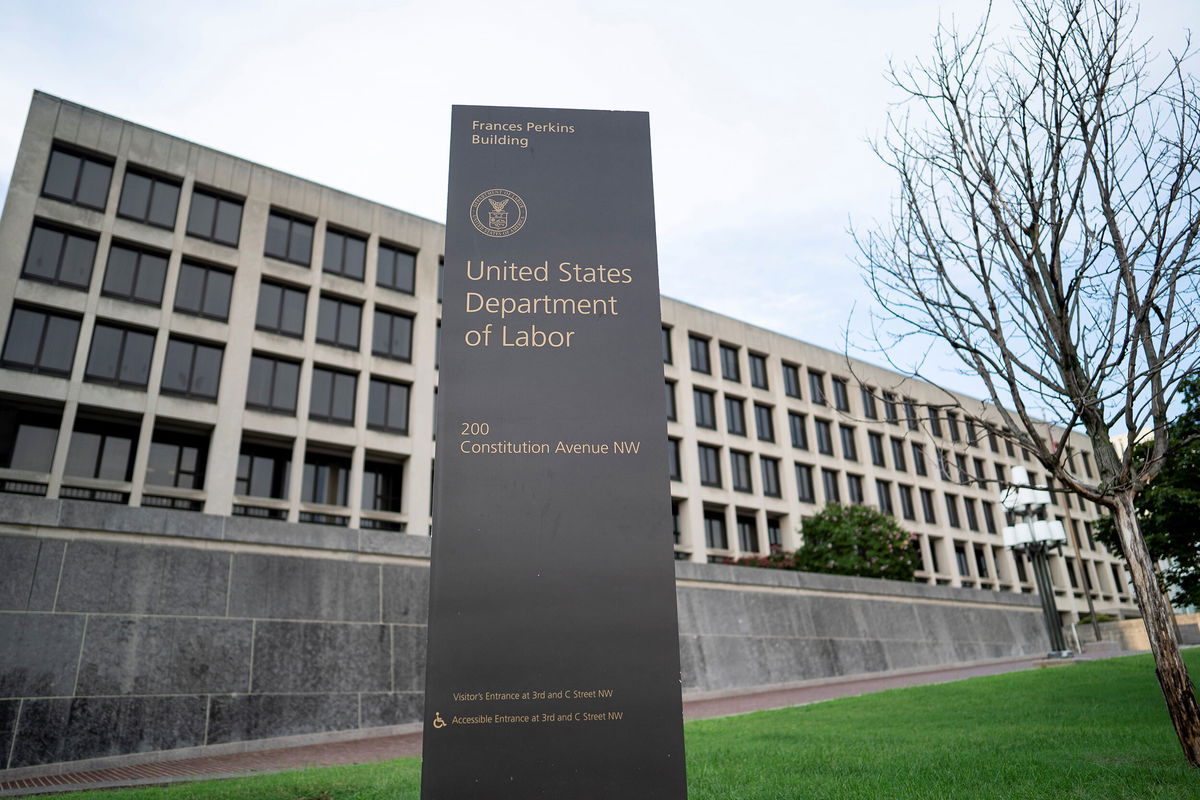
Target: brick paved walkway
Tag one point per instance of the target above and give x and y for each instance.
(383, 748)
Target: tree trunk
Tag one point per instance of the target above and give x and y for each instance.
(1172, 674)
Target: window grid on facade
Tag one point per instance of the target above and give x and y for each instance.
(263, 470)
(758, 370)
(715, 536)
(289, 238)
(747, 527)
(387, 405)
(710, 465)
(705, 408)
(326, 479)
(698, 349)
(849, 445)
(177, 459)
(40, 341)
(391, 335)
(841, 394)
(854, 489)
(192, 369)
(281, 309)
(735, 416)
(791, 380)
(203, 291)
(770, 476)
(345, 254)
(332, 398)
(870, 410)
(730, 370)
(739, 470)
(338, 322)
(829, 482)
(875, 441)
(134, 273)
(119, 355)
(883, 490)
(804, 484)
(382, 487)
(674, 468)
(396, 268)
(101, 449)
(824, 436)
(763, 423)
(816, 387)
(272, 384)
(798, 429)
(672, 412)
(907, 510)
(666, 345)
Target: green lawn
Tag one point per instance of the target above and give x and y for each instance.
(1087, 731)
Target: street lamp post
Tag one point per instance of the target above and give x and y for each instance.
(1036, 538)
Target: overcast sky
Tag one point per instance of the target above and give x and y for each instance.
(760, 112)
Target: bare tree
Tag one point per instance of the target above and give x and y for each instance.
(1047, 228)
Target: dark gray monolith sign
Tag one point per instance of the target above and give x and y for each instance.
(553, 653)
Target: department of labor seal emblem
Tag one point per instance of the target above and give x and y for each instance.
(498, 212)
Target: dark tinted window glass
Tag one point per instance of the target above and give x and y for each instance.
(119, 355)
(698, 348)
(326, 479)
(383, 484)
(397, 269)
(28, 438)
(263, 471)
(345, 254)
(177, 459)
(387, 406)
(149, 199)
(78, 178)
(60, 256)
(192, 369)
(281, 309)
(804, 484)
(729, 363)
(332, 397)
(203, 291)
(289, 239)
(215, 217)
(338, 321)
(40, 341)
(392, 335)
(758, 370)
(272, 384)
(134, 274)
(101, 449)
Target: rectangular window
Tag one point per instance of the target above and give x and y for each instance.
(934, 545)
(392, 335)
(263, 471)
(1087, 462)
(868, 400)
(326, 479)
(78, 178)
(739, 464)
(972, 514)
(935, 423)
(910, 414)
(927, 508)
(710, 465)
(281, 309)
(730, 370)
(918, 454)
(898, 461)
(764, 422)
(960, 462)
(883, 489)
(875, 440)
(332, 398)
(972, 431)
(676, 531)
(177, 459)
(791, 380)
(747, 527)
(979, 471)
(989, 517)
(698, 348)
(816, 387)
(345, 254)
(943, 464)
(705, 407)
(758, 370)
(397, 269)
(40, 341)
(102, 449)
(674, 468)
(829, 482)
(889, 408)
(824, 436)
(992, 442)
(387, 406)
(854, 486)
(61, 256)
(849, 447)
(981, 561)
(28, 438)
(149, 198)
(203, 291)
(952, 424)
(714, 530)
(338, 322)
(906, 502)
(774, 533)
(272, 384)
(289, 238)
(960, 558)
(136, 274)
(804, 484)
(192, 369)
(770, 476)
(841, 395)
(666, 345)
(215, 217)
(672, 413)
(119, 355)
(798, 428)
(735, 416)
(383, 486)
(952, 511)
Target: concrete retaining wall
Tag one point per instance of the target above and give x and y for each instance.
(1130, 634)
(128, 630)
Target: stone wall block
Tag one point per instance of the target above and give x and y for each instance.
(287, 587)
(165, 655)
(408, 658)
(321, 657)
(392, 708)
(38, 654)
(29, 572)
(405, 594)
(240, 718)
(123, 578)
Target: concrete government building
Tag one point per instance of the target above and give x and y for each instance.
(190, 331)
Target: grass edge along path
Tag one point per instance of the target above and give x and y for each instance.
(1089, 731)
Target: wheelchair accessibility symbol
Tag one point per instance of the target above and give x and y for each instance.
(438, 722)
